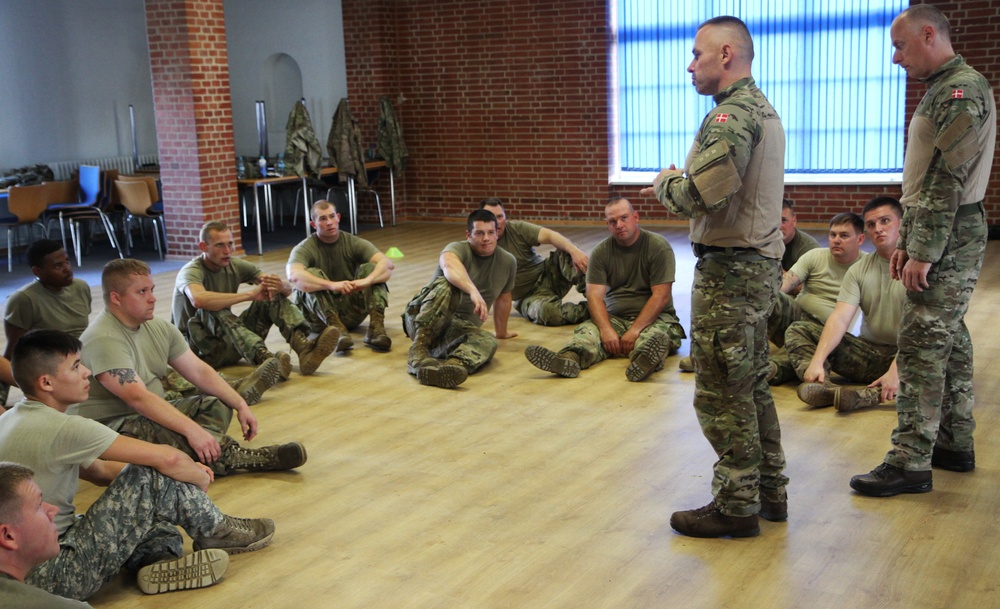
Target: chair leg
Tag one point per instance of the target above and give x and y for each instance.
(156, 236)
(74, 233)
(378, 206)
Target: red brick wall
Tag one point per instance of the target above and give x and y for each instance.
(194, 125)
(510, 99)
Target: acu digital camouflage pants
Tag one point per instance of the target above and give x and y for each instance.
(131, 524)
(730, 301)
(586, 342)
(351, 309)
(222, 338)
(434, 308)
(935, 398)
(543, 304)
(207, 411)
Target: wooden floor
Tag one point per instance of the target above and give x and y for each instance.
(523, 490)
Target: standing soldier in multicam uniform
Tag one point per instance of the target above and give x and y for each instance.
(208, 286)
(542, 283)
(732, 191)
(340, 279)
(946, 169)
(444, 319)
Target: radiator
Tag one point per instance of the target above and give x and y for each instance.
(124, 164)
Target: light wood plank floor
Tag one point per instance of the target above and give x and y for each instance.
(523, 490)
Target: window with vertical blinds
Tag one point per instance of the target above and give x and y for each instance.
(825, 66)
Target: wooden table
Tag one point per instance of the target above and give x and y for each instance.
(352, 199)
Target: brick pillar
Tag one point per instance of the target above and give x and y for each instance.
(194, 122)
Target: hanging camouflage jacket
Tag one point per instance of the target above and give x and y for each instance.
(344, 145)
(303, 155)
(391, 146)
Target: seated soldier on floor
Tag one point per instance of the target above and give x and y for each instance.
(870, 357)
(340, 279)
(632, 315)
(444, 319)
(541, 283)
(206, 289)
(128, 348)
(151, 489)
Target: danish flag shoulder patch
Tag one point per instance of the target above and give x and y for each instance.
(956, 94)
(721, 118)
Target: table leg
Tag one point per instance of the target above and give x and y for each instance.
(256, 217)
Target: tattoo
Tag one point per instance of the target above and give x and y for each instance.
(124, 375)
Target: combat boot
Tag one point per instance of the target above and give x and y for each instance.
(376, 337)
(252, 386)
(276, 458)
(284, 360)
(198, 570)
(647, 359)
(816, 394)
(420, 356)
(312, 352)
(686, 364)
(709, 521)
(566, 363)
(345, 341)
(238, 535)
(850, 398)
(447, 375)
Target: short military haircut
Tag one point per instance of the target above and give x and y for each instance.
(920, 14)
(40, 352)
(321, 204)
(882, 201)
(490, 202)
(480, 215)
(849, 217)
(117, 274)
(213, 226)
(787, 204)
(38, 250)
(614, 200)
(743, 41)
(12, 476)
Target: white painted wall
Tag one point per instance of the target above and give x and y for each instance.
(70, 68)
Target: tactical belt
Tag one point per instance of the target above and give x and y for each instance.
(742, 253)
(969, 208)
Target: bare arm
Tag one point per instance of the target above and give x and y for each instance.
(208, 381)
(126, 385)
(380, 274)
(458, 276)
(833, 331)
(14, 334)
(501, 313)
(650, 311)
(304, 281)
(165, 459)
(201, 298)
(558, 241)
(789, 281)
(101, 472)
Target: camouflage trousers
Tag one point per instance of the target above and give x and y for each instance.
(784, 313)
(730, 301)
(935, 400)
(860, 360)
(352, 309)
(222, 338)
(207, 411)
(434, 308)
(131, 524)
(543, 303)
(586, 342)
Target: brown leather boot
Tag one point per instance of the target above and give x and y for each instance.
(345, 341)
(376, 337)
(447, 375)
(420, 356)
(312, 352)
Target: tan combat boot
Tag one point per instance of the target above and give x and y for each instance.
(312, 352)
(376, 337)
(447, 375)
(345, 341)
(420, 356)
